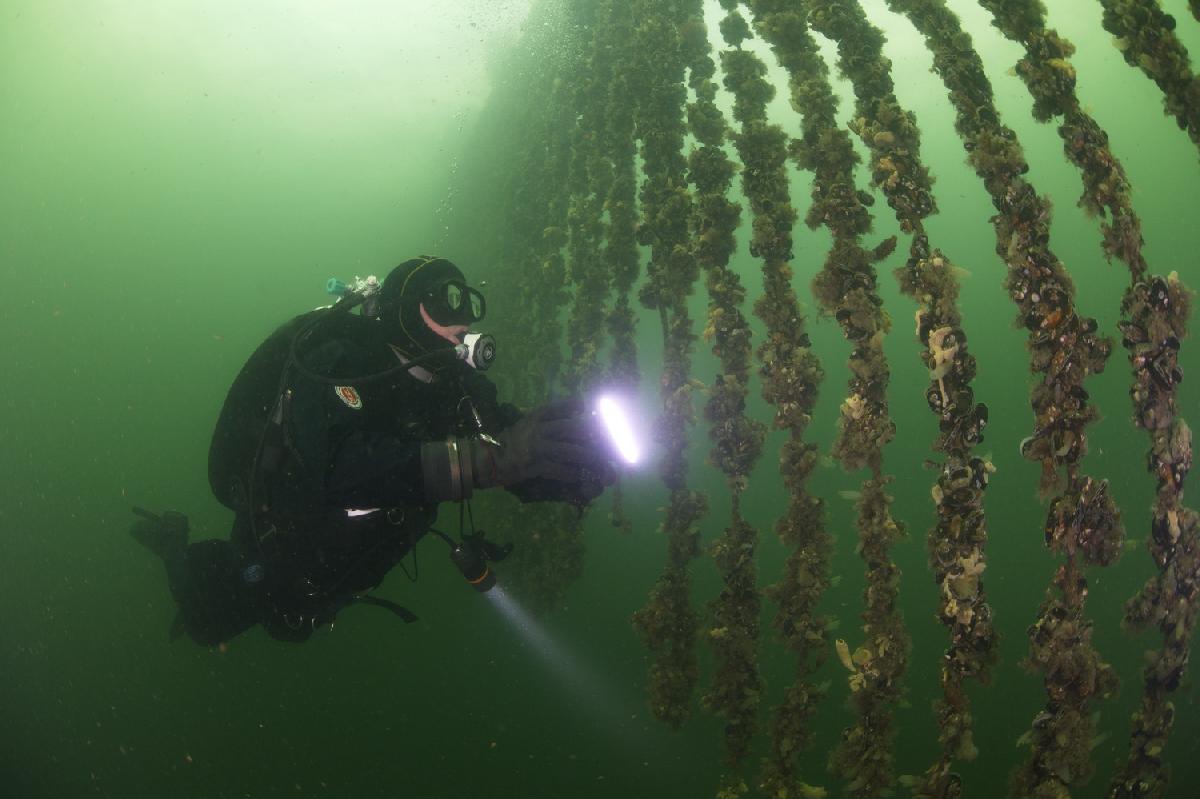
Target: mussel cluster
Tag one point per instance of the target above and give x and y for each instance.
(1151, 337)
(1081, 521)
(668, 623)
(847, 290)
(1145, 34)
(737, 438)
(791, 375)
(961, 420)
(1155, 320)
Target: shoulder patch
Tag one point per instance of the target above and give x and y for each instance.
(349, 396)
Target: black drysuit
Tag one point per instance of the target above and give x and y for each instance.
(338, 488)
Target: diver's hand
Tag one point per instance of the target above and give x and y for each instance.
(557, 442)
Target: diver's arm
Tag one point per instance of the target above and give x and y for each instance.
(453, 468)
(554, 444)
(496, 415)
(384, 469)
(378, 470)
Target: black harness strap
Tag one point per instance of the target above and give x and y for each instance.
(399, 610)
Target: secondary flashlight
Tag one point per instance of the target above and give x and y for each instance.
(620, 432)
(472, 565)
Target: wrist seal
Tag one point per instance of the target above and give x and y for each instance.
(448, 469)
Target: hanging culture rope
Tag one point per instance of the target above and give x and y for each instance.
(1154, 321)
(620, 247)
(846, 290)
(957, 543)
(619, 81)
(1145, 35)
(620, 255)
(791, 374)
(589, 179)
(737, 439)
(1082, 525)
(1156, 316)
(667, 624)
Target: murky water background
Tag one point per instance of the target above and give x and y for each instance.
(177, 178)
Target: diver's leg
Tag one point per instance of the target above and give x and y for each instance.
(211, 595)
(269, 574)
(203, 578)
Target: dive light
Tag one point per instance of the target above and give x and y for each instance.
(616, 420)
(472, 565)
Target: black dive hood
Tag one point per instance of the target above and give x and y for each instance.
(400, 299)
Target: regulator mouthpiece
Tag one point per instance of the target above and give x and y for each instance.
(478, 350)
(616, 421)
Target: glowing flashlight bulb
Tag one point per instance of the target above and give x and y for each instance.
(619, 430)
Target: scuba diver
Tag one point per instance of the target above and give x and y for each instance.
(337, 441)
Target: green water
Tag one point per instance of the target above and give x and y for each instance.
(177, 178)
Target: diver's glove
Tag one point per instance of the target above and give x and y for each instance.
(579, 493)
(556, 442)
